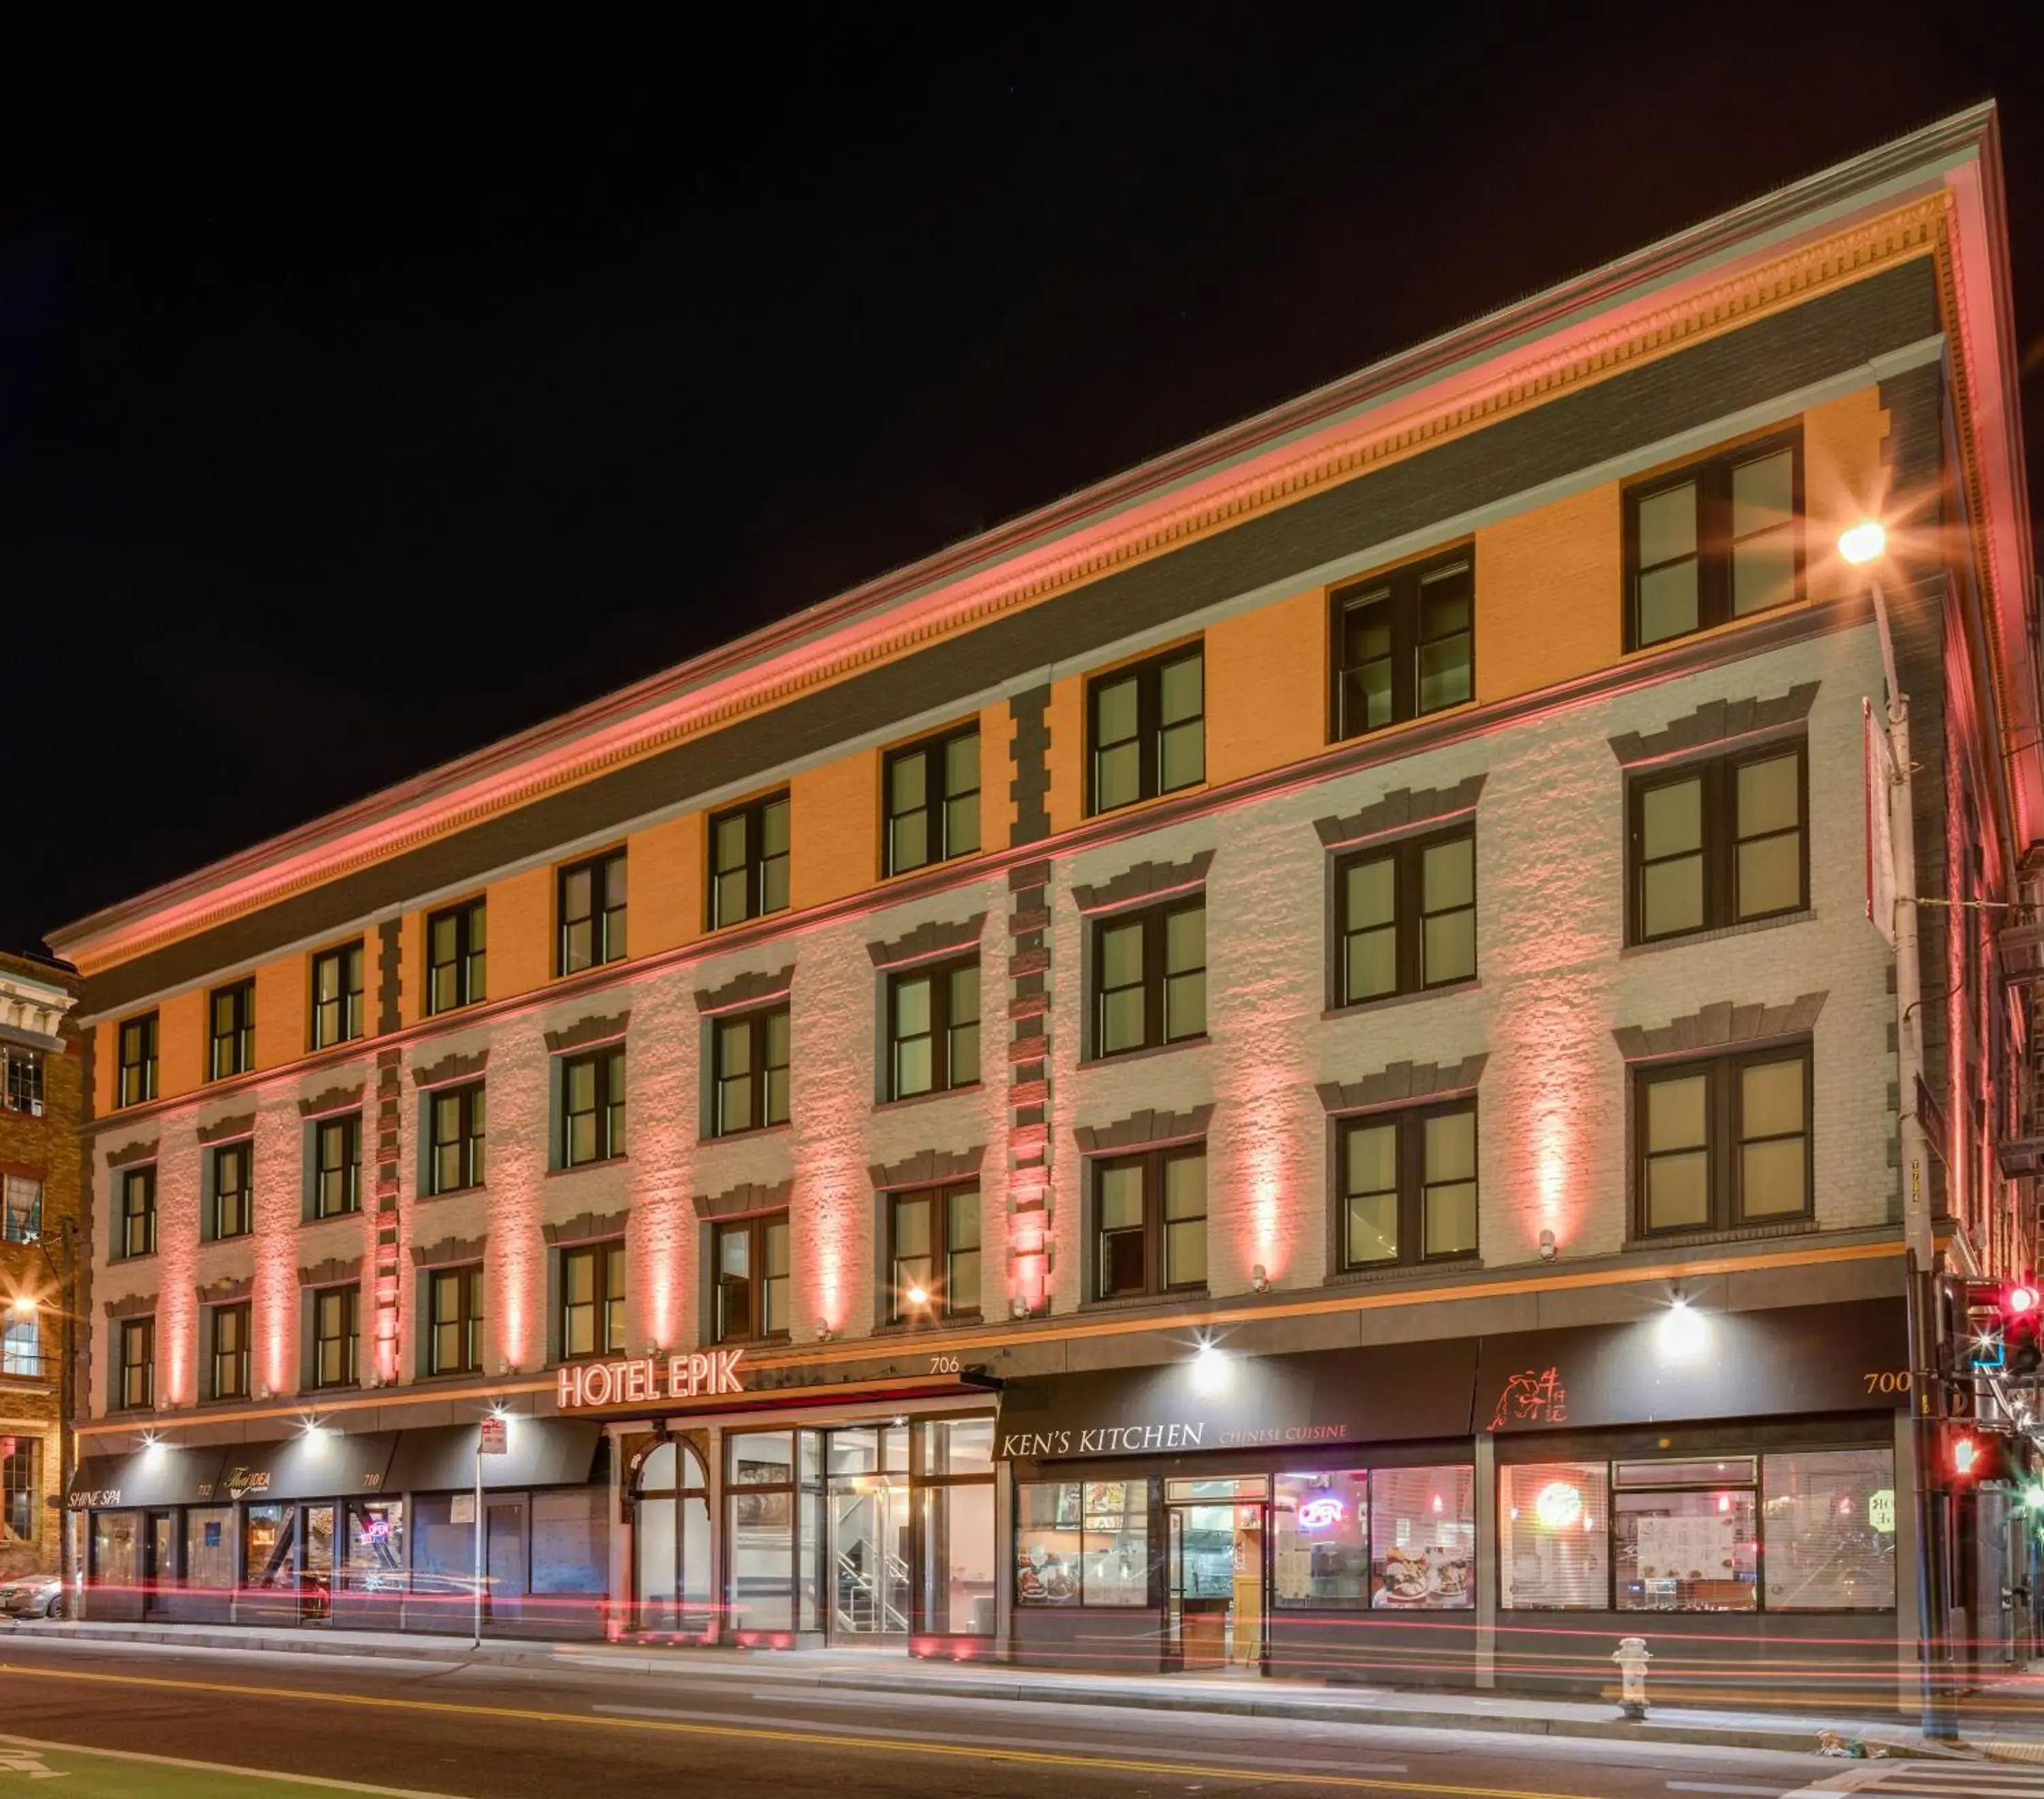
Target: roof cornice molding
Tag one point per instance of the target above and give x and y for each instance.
(1667, 298)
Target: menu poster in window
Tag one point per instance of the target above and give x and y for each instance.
(1687, 1548)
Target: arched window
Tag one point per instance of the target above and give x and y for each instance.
(671, 1541)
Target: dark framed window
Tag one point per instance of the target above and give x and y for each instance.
(337, 1166)
(591, 907)
(1150, 1222)
(933, 1254)
(137, 1081)
(749, 1072)
(1150, 976)
(749, 1258)
(592, 1106)
(1405, 644)
(231, 1034)
(1717, 540)
(455, 1124)
(1405, 917)
(21, 1208)
(135, 1211)
(232, 1207)
(336, 1335)
(933, 1029)
(1719, 843)
(21, 1346)
(749, 861)
(138, 1363)
(1408, 1183)
(337, 995)
(1147, 729)
(454, 1299)
(932, 793)
(457, 956)
(1722, 1143)
(230, 1351)
(21, 1080)
(593, 1301)
(21, 1498)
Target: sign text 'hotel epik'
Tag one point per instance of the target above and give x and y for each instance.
(649, 1380)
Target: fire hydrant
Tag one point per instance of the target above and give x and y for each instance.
(1632, 1657)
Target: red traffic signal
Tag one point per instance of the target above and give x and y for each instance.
(2020, 1301)
(1972, 1456)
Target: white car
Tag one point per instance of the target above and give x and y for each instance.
(31, 1596)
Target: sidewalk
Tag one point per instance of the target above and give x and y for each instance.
(1986, 1727)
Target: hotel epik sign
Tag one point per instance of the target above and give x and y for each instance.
(650, 1380)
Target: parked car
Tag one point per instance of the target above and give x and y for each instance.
(31, 1596)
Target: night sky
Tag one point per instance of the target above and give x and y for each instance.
(365, 398)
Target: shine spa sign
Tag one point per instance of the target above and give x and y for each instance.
(649, 1380)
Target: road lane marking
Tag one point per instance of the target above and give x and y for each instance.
(42, 1749)
(1774, 1792)
(823, 1739)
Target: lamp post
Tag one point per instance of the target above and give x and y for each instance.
(1864, 545)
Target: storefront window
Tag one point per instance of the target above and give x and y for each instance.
(958, 1559)
(113, 1538)
(375, 1547)
(672, 1519)
(1687, 1548)
(443, 1552)
(269, 1540)
(570, 1547)
(762, 1531)
(1083, 1543)
(1423, 1536)
(1829, 1519)
(209, 1548)
(958, 1446)
(1553, 1526)
(1321, 1524)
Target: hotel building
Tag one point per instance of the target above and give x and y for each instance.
(1293, 1063)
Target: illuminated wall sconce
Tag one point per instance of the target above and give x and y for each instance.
(506, 1365)
(263, 1393)
(1259, 1278)
(1549, 1248)
(824, 1333)
(1018, 1307)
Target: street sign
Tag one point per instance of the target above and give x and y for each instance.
(496, 1439)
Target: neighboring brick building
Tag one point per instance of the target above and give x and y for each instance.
(1326, 980)
(42, 1084)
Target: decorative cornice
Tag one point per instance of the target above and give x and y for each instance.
(1465, 381)
(1145, 881)
(587, 1226)
(744, 990)
(228, 1291)
(927, 941)
(334, 1099)
(1143, 1130)
(335, 1271)
(1402, 1083)
(33, 1009)
(587, 1031)
(745, 1200)
(927, 1168)
(134, 1305)
(227, 1129)
(1716, 722)
(448, 1251)
(141, 1149)
(1723, 1024)
(1399, 810)
(452, 1068)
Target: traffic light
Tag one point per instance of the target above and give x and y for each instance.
(1972, 1456)
(2005, 1328)
(2020, 1322)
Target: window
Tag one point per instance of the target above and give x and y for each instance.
(454, 1305)
(231, 1210)
(337, 1166)
(337, 996)
(933, 1029)
(592, 913)
(454, 1148)
(21, 1345)
(1150, 1222)
(1405, 915)
(1405, 644)
(336, 1329)
(1719, 540)
(1723, 1142)
(21, 1500)
(1148, 730)
(1082, 1543)
(750, 1256)
(20, 1208)
(457, 943)
(1150, 976)
(138, 1061)
(1408, 1185)
(230, 1351)
(751, 1071)
(135, 1219)
(932, 790)
(1718, 843)
(21, 1080)
(233, 1033)
(1553, 1535)
(592, 1107)
(138, 1363)
(934, 1237)
(1685, 1535)
(593, 1301)
(1829, 1524)
(748, 847)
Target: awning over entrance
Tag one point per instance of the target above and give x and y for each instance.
(539, 1452)
(326, 1463)
(1223, 1401)
(158, 1474)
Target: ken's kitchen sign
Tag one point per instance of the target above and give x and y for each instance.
(648, 1380)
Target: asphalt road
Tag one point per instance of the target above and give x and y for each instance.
(448, 1728)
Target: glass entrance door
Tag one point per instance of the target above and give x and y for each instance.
(504, 1547)
(866, 1557)
(1215, 1608)
(316, 1570)
(159, 1562)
